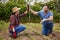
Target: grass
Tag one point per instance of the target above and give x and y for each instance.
(1, 38)
(32, 29)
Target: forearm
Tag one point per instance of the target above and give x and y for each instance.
(13, 29)
(50, 19)
(14, 33)
(24, 14)
(33, 12)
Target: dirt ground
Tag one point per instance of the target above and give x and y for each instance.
(29, 34)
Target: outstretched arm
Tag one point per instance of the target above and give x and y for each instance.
(24, 14)
(33, 12)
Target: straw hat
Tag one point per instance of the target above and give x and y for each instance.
(15, 9)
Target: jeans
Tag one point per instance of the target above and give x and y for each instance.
(47, 28)
(19, 29)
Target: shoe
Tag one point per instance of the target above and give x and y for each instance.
(50, 35)
(45, 37)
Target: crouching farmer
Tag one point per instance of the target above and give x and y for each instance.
(14, 27)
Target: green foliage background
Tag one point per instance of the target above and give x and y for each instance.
(5, 10)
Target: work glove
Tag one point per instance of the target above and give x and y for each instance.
(14, 35)
(43, 20)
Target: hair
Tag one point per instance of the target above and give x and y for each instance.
(13, 13)
(46, 5)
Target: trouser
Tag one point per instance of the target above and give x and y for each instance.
(18, 29)
(47, 28)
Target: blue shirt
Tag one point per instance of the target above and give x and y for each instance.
(45, 16)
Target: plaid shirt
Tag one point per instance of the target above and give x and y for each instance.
(14, 20)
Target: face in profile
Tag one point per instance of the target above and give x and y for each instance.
(17, 12)
(45, 8)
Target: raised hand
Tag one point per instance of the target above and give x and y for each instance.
(28, 7)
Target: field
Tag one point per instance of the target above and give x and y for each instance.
(32, 32)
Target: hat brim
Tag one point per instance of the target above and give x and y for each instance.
(17, 10)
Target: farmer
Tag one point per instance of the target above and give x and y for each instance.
(14, 27)
(46, 19)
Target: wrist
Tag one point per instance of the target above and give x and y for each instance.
(29, 9)
(13, 30)
(47, 19)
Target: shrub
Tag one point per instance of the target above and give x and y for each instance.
(6, 11)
